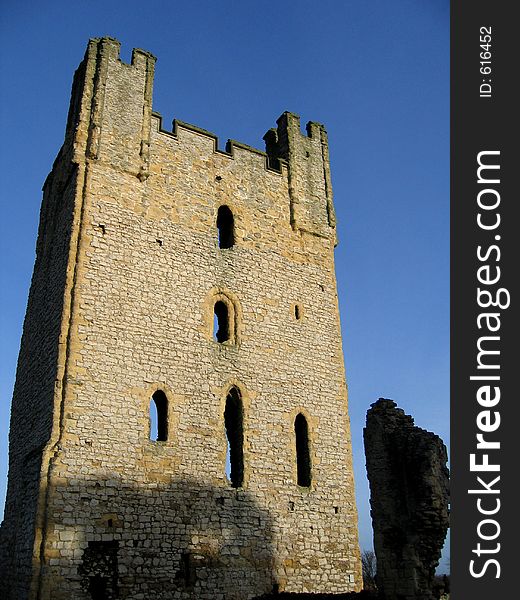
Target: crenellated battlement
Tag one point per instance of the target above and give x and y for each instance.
(230, 145)
(113, 46)
(307, 157)
(111, 121)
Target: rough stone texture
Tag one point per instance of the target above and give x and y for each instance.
(409, 482)
(127, 274)
(362, 595)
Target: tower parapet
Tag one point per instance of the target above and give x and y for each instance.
(310, 187)
(111, 107)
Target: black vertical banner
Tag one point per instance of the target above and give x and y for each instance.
(485, 268)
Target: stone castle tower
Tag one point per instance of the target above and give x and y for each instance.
(196, 285)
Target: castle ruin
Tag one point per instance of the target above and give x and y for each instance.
(409, 499)
(196, 285)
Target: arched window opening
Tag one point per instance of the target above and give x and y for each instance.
(159, 417)
(233, 421)
(221, 329)
(303, 455)
(226, 227)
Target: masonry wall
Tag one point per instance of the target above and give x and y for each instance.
(126, 517)
(33, 408)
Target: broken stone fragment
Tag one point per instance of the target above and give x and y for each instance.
(409, 495)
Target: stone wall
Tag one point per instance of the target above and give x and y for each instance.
(33, 407)
(409, 497)
(117, 514)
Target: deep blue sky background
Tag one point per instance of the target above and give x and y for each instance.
(375, 73)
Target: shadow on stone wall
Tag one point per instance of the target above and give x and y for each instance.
(110, 539)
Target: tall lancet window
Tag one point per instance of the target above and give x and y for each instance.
(233, 421)
(159, 417)
(226, 227)
(303, 455)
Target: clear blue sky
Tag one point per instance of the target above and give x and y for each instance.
(375, 73)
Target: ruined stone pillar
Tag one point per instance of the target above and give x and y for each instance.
(408, 477)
